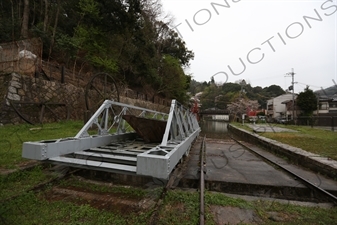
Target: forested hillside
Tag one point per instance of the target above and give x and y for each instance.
(127, 38)
(219, 95)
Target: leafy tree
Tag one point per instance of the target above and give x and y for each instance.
(274, 90)
(231, 87)
(10, 21)
(241, 106)
(257, 89)
(127, 38)
(307, 101)
(228, 92)
(210, 95)
(173, 81)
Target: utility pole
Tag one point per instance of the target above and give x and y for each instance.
(292, 87)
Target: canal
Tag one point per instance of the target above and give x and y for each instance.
(214, 129)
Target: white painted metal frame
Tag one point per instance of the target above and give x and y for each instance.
(181, 130)
(105, 118)
(106, 109)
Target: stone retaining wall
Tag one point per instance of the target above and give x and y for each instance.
(22, 56)
(41, 100)
(306, 159)
(29, 96)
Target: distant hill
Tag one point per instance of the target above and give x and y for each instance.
(329, 92)
(219, 95)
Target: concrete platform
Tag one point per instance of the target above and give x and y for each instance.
(318, 164)
(231, 168)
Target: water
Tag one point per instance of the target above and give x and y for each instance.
(214, 129)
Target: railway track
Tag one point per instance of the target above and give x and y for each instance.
(327, 195)
(324, 195)
(201, 148)
(202, 181)
(201, 189)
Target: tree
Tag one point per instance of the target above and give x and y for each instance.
(307, 101)
(25, 19)
(173, 81)
(130, 39)
(231, 87)
(209, 96)
(274, 90)
(242, 106)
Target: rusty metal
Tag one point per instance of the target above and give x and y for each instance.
(43, 105)
(151, 130)
(23, 117)
(101, 87)
(202, 181)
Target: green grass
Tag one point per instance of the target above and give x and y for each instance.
(130, 192)
(20, 182)
(33, 209)
(45, 208)
(12, 137)
(315, 140)
(213, 198)
(180, 207)
(319, 141)
(293, 214)
(288, 213)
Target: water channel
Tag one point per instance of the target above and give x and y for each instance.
(214, 129)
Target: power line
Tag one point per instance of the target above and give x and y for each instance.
(308, 85)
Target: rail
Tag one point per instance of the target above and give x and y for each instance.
(202, 181)
(303, 180)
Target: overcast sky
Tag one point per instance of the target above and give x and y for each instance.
(260, 41)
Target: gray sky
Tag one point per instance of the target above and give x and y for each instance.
(270, 37)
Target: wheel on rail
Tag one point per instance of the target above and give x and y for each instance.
(40, 112)
(101, 87)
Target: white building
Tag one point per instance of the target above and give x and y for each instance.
(276, 107)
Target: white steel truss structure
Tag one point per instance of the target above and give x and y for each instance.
(116, 147)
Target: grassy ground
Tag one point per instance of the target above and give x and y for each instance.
(12, 137)
(34, 209)
(268, 212)
(315, 140)
(20, 205)
(179, 207)
(20, 182)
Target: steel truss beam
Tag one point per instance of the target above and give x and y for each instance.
(98, 152)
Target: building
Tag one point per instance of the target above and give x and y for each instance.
(326, 106)
(325, 115)
(277, 109)
(290, 110)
